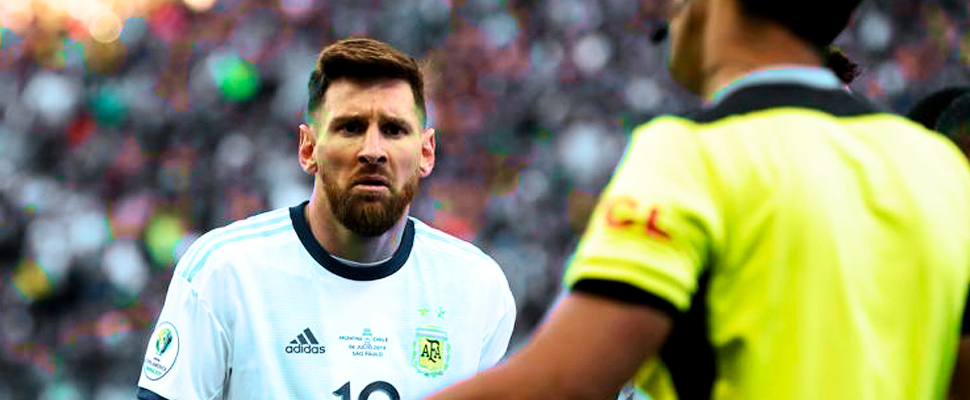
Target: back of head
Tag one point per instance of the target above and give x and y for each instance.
(927, 111)
(818, 22)
(363, 59)
(946, 111)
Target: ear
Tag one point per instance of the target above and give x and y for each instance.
(427, 152)
(308, 144)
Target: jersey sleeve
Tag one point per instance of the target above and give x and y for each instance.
(189, 350)
(651, 233)
(497, 339)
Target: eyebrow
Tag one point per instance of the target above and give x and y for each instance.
(383, 119)
(386, 119)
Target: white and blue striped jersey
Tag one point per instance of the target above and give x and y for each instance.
(259, 310)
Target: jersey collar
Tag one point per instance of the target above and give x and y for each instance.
(382, 270)
(815, 77)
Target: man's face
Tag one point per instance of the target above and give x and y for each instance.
(368, 151)
(686, 18)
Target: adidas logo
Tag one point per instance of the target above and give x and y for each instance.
(305, 343)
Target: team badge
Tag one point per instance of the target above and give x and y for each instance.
(162, 354)
(431, 351)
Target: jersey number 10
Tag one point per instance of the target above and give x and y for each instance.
(376, 386)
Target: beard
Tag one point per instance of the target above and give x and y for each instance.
(369, 214)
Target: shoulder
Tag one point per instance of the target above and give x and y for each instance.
(433, 241)
(222, 245)
(664, 139)
(668, 125)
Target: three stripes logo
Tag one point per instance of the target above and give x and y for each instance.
(305, 343)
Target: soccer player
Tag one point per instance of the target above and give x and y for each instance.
(788, 241)
(344, 296)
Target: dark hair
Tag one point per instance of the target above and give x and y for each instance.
(840, 63)
(927, 111)
(818, 22)
(363, 59)
(946, 111)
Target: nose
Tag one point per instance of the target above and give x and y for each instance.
(372, 151)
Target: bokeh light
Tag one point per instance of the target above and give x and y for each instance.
(32, 281)
(162, 236)
(108, 107)
(106, 27)
(237, 78)
(200, 5)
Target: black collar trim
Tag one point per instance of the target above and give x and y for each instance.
(372, 273)
(837, 102)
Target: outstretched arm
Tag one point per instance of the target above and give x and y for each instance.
(587, 349)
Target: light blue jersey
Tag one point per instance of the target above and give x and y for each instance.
(259, 310)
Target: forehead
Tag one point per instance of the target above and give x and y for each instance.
(392, 97)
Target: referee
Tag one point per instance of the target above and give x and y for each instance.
(788, 241)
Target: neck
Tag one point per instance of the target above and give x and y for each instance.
(344, 243)
(735, 50)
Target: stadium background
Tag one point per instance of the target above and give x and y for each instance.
(130, 127)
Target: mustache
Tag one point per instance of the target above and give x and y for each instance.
(371, 174)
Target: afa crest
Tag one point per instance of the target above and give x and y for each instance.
(431, 351)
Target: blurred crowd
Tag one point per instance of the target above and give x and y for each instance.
(125, 138)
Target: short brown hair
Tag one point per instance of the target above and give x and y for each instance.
(840, 63)
(364, 59)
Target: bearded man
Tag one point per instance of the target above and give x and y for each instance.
(344, 295)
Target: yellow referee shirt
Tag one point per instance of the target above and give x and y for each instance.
(807, 245)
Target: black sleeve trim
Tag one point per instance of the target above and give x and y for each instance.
(145, 394)
(626, 293)
(966, 317)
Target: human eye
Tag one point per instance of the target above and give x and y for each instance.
(351, 127)
(394, 129)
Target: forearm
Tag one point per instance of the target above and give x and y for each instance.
(586, 350)
(500, 382)
(517, 381)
